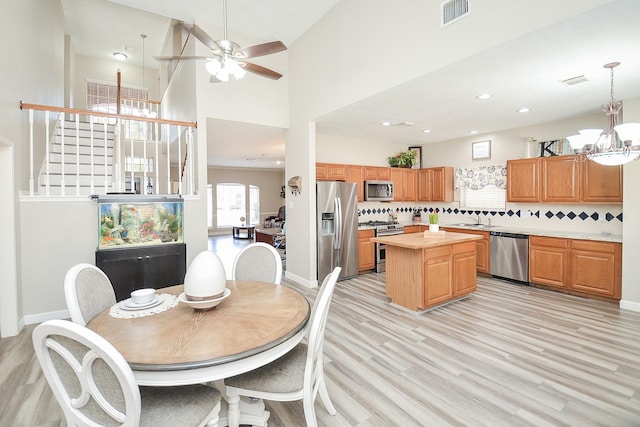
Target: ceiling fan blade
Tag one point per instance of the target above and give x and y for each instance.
(262, 49)
(178, 57)
(260, 70)
(200, 34)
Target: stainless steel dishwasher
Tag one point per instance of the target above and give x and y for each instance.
(510, 256)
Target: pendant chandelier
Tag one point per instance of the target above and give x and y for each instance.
(617, 144)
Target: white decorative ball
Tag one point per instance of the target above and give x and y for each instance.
(205, 278)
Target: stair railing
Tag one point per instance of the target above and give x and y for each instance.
(152, 133)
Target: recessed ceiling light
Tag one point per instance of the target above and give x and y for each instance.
(120, 56)
(484, 96)
(427, 131)
(523, 110)
(386, 123)
(473, 132)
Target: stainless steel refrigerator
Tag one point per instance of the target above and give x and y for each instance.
(337, 224)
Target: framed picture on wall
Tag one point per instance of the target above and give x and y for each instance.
(418, 151)
(481, 150)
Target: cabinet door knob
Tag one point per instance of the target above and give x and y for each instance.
(139, 258)
(148, 257)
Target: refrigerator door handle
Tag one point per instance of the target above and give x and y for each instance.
(338, 212)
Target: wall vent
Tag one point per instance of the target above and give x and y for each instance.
(574, 80)
(452, 10)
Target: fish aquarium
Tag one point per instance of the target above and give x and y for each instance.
(135, 220)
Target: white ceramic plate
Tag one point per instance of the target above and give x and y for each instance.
(203, 305)
(130, 305)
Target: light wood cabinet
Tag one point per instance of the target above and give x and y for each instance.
(560, 179)
(483, 250)
(601, 184)
(331, 172)
(464, 266)
(548, 259)
(523, 180)
(377, 173)
(435, 184)
(366, 250)
(584, 266)
(404, 184)
(438, 273)
(408, 229)
(596, 268)
(355, 175)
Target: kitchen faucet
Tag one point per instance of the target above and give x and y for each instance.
(476, 219)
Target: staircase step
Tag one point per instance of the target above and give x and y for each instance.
(98, 150)
(71, 169)
(83, 125)
(55, 180)
(70, 159)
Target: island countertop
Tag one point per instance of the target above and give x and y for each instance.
(419, 241)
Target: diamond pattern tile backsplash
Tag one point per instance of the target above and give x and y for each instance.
(583, 218)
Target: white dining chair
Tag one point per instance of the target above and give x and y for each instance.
(258, 261)
(87, 291)
(298, 375)
(95, 386)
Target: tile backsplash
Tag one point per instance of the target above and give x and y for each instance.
(578, 217)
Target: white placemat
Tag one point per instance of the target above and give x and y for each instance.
(168, 302)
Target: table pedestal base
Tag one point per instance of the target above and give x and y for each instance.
(252, 411)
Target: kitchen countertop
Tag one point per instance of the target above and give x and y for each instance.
(617, 238)
(419, 241)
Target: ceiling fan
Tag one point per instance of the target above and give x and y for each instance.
(228, 58)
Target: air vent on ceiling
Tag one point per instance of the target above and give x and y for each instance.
(452, 10)
(574, 80)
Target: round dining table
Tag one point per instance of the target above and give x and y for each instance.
(256, 324)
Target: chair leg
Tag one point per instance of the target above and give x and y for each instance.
(309, 413)
(215, 419)
(233, 415)
(324, 395)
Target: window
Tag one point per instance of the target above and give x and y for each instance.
(209, 205)
(230, 201)
(489, 197)
(254, 204)
(137, 164)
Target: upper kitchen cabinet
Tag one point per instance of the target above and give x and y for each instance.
(601, 183)
(560, 179)
(331, 172)
(355, 174)
(377, 173)
(436, 184)
(404, 184)
(522, 180)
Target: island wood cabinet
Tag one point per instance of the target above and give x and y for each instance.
(435, 184)
(143, 267)
(581, 266)
(482, 248)
(450, 272)
(561, 179)
(366, 250)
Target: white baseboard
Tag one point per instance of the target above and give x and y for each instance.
(41, 317)
(301, 281)
(630, 305)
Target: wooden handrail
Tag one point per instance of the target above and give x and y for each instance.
(148, 101)
(39, 107)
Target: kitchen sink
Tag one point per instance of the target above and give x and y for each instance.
(477, 226)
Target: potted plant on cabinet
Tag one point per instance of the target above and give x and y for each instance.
(433, 223)
(405, 159)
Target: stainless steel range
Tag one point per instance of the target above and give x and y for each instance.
(383, 228)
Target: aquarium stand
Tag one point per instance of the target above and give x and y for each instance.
(143, 267)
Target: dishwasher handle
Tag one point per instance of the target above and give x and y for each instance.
(509, 235)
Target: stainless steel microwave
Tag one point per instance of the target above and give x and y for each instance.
(378, 191)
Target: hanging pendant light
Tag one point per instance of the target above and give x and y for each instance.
(616, 144)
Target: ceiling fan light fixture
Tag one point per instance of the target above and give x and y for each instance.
(120, 56)
(232, 67)
(213, 66)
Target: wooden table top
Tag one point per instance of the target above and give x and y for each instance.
(255, 317)
(419, 241)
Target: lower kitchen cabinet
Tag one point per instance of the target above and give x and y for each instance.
(438, 275)
(581, 266)
(366, 250)
(548, 259)
(411, 229)
(464, 265)
(146, 267)
(483, 249)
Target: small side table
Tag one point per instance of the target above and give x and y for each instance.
(243, 231)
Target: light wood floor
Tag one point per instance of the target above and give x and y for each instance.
(509, 355)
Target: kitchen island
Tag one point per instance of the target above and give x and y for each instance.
(425, 272)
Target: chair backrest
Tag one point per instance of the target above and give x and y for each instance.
(258, 261)
(315, 333)
(88, 291)
(90, 379)
(282, 213)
